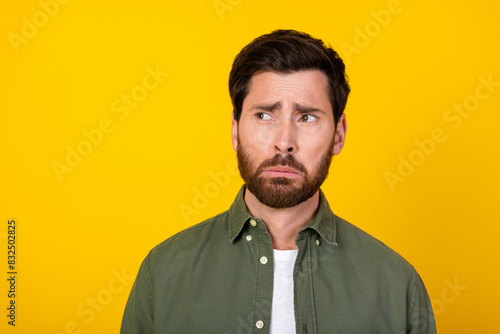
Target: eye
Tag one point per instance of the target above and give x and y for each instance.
(263, 116)
(308, 118)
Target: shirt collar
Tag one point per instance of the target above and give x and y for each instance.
(238, 215)
(324, 223)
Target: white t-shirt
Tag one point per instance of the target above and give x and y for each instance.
(283, 314)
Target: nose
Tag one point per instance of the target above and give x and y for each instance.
(286, 138)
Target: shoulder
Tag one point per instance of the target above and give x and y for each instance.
(370, 252)
(212, 230)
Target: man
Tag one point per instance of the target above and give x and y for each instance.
(279, 260)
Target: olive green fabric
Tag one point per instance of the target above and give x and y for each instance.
(217, 277)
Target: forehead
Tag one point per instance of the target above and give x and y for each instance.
(302, 87)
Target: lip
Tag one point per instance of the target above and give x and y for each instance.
(281, 171)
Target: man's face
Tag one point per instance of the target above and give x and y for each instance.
(286, 137)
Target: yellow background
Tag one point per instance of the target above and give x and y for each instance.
(78, 234)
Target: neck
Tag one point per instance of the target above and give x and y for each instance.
(283, 224)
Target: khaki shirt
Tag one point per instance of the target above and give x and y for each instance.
(217, 277)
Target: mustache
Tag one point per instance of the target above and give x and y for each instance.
(282, 160)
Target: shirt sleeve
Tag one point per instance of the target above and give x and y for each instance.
(138, 314)
(420, 314)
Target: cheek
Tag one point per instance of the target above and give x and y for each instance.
(247, 146)
(313, 151)
(259, 135)
(257, 141)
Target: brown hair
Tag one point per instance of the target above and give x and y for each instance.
(287, 51)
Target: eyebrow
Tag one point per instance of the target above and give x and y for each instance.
(277, 105)
(304, 109)
(267, 107)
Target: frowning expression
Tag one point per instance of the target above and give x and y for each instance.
(286, 136)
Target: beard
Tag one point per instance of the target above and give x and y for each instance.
(282, 192)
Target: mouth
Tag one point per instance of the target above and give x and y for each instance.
(281, 171)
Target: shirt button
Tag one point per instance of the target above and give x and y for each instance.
(259, 324)
(249, 237)
(263, 260)
(253, 222)
(318, 242)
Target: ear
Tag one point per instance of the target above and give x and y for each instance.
(234, 132)
(340, 134)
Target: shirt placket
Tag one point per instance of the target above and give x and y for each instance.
(305, 312)
(264, 277)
